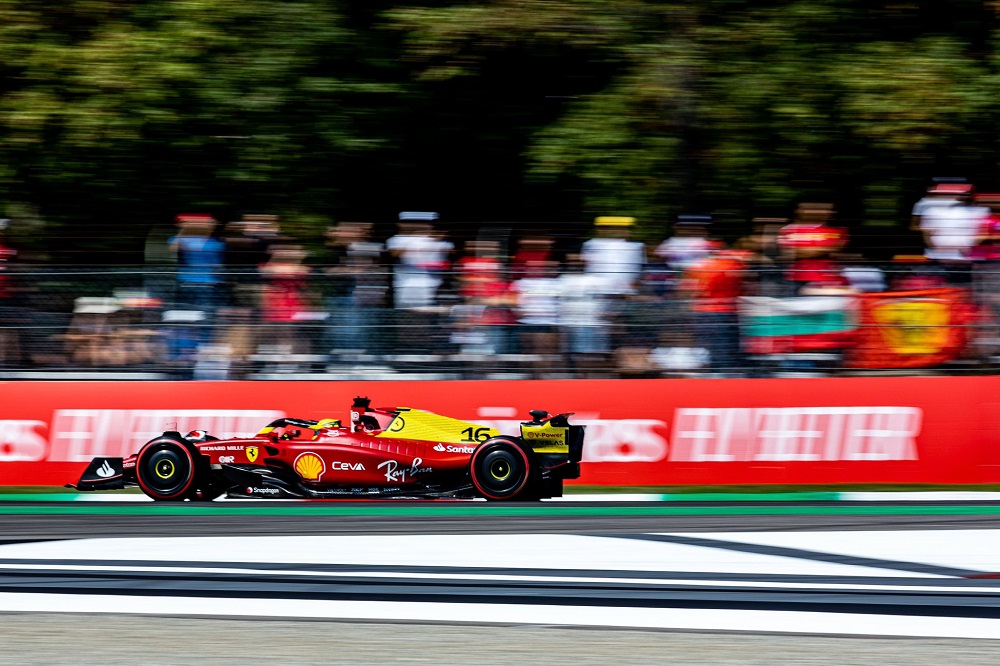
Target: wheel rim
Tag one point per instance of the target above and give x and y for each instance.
(166, 469)
(501, 472)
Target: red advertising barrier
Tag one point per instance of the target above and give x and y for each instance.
(640, 432)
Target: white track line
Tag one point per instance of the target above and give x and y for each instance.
(648, 618)
(507, 551)
(392, 575)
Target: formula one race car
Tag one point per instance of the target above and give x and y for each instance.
(384, 452)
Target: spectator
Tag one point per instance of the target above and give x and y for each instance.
(951, 228)
(714, 284)
(531, 251)
(987, 246)
(809, 245)
(284, 302)
(247, 246)
(764, 276)
(986, 270)
(861, 277)
(689, 244)
(538, 310)
(348, 275)
(583, 312)
(939, 194)
(612, 256)
(421, 255)
(485, 314)
(199, 259)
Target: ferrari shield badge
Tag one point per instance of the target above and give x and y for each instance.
(252, 453)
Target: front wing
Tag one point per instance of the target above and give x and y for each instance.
(105, 474)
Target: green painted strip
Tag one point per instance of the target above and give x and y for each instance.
(458, 510)
(816, 496)
(752, 497)
(40, 497)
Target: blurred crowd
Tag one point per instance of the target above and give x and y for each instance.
(239, 299)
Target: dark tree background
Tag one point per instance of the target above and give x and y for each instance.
(117, 114)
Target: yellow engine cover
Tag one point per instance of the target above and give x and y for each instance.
(430, 427)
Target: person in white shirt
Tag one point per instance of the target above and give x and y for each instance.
(951, 228)
(421, 255)
(612, 256)
(537, 307)
(689, 244)
(583, 309)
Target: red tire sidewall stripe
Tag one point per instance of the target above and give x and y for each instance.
(150, 491)
(487, 495)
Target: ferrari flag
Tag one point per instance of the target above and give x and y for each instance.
(911, 329)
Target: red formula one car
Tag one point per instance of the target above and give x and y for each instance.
(385, 452)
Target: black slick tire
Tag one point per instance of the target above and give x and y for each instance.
(502, 469)
(166, 469)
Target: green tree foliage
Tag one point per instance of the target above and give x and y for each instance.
(117, 114)
(728, 105)
(117, 110)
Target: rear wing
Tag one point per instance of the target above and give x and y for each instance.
(553, 434)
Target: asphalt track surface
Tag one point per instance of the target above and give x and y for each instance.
(41, 638)
(20, 521)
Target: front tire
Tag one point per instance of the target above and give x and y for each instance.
(502, 469)
(166, 468)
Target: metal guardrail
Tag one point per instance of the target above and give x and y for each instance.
(137, 323)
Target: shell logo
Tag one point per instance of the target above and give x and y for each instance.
(309, 466)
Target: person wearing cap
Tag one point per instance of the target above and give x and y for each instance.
(613, 256)
(689, 243)
(941, 193)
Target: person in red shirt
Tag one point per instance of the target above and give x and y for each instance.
(487, 299)
(284, 300)
(810, 244)
(713, 285)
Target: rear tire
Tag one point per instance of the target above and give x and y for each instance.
(503, 469)
(166, 469)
